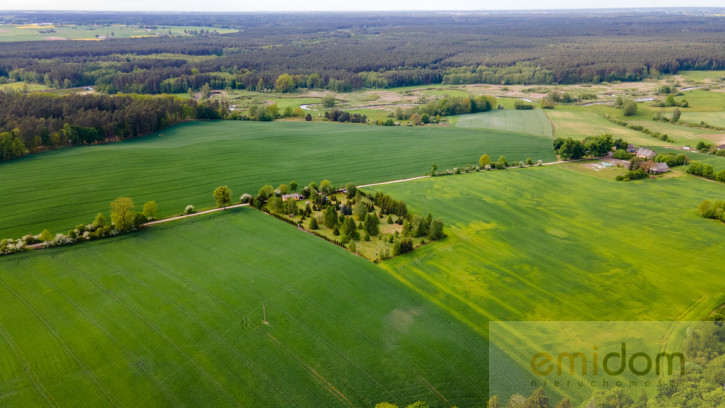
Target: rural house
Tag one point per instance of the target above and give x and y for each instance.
(631, 148)
(659, 168)
(294, 196)
(646, 154)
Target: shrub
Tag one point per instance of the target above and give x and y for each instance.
(61, 240)
(245, 198)
(149, 209)
(629, 108)
(10, 246)
(623, 154)
(189, 210)
(46, 236)
(632, 175)
(403, 246)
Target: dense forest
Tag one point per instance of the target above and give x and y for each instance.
(348, 51)
(36, 122)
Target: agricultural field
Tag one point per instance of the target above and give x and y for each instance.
(182, 165)
(227, 309)
(581, 123)
(533, 122)
(580, 247)
(35, 32)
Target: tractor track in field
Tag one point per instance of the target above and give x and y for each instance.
(156, 330)
(411, 368)
(34, 380)
(89, 374)
(299, 322)
(130, 356)
(218, 337)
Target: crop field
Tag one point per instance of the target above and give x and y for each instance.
(700, 76)
(532, 122)
(681, 135)
(579, 124)
(21, 86)
(173, 316)
(33, 32)
(182, 165)
(580, 248)
(711, 118)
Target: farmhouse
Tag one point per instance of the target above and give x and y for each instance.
(646, 154)
(631, 148)
(659, 168)
(296, 197)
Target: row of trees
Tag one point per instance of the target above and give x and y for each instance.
(123, 219)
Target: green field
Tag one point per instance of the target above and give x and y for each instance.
(173, 316)
(702, 75)
(182, 165)
(582, 123)
(532, 122)
(31, 32)
(555, 243)
(22, 86)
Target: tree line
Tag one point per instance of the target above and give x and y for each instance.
(36, 122)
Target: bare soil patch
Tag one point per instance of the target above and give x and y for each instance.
(56, 39)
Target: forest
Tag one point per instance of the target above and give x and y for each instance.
(36, 122)
(343, 52)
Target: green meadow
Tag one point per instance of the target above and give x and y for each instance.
(581, 123)
(532, 122)
(557, 243)
(182, 165)
(175, 316)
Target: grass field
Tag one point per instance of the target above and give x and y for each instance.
(187, 329)
(680, 135)
(22, 86)
(182, 165)
(582, 123)
(702, 75)
(32, 32)
(555, 243)
(532, 122)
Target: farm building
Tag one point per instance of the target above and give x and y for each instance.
(296, 197)
(721, 147)
(631, 148)
(659, 168)
(646, 154)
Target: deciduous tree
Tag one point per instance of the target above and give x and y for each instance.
(223, 196)
(122, 214)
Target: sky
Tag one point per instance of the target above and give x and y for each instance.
(332, 5)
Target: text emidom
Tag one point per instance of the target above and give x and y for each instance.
(639, 363)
